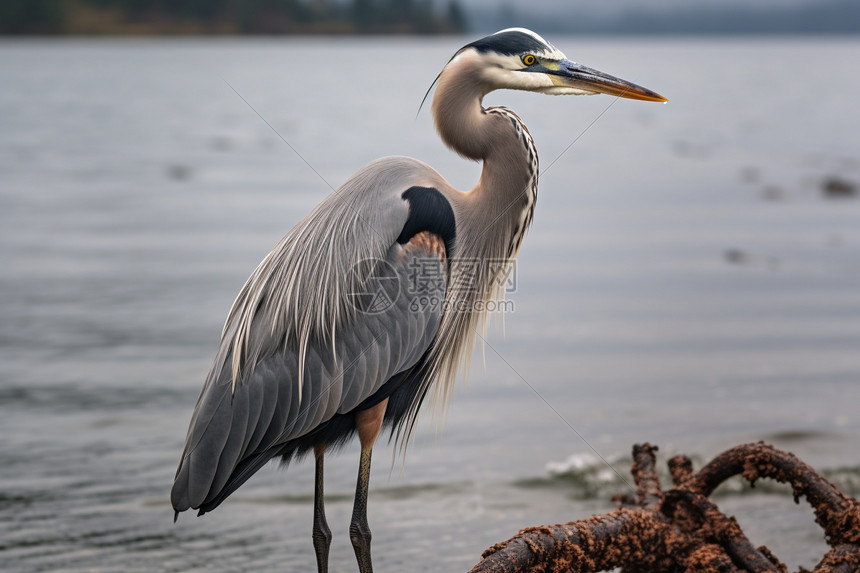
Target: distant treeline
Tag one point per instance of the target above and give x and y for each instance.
(228, 16)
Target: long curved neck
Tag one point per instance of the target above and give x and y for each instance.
(491, 219)
(505, 194)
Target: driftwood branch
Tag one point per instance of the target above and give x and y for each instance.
(681, 529)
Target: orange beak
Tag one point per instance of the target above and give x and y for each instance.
(573, 75)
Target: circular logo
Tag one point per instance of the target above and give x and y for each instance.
(375, 286)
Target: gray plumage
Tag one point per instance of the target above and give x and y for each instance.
(280, 371)
(330, 337)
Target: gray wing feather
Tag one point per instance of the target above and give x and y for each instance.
(265, 411)
(366, 348)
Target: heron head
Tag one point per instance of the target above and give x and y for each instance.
(519, 59)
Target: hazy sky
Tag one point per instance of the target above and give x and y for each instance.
(667, 16)
(610, 6)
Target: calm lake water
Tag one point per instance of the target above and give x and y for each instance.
(686, 282)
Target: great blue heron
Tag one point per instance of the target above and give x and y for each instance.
(376, 295)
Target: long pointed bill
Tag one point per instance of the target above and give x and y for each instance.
(579, 77)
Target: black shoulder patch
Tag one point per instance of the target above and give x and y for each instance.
(429, 210)
(508, 43)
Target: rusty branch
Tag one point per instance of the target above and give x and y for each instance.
(840, 559)
(681, 468)
(722, 528)
(838, 514)
(681, 529)
(617, 539)
(644, 470)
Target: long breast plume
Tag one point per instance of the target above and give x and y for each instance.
(483, 258)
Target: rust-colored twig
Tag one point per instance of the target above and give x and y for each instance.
(644, 470)
(725, 530)
(681, 529)
(837, 513)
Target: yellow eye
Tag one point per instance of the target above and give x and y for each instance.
(529, 60)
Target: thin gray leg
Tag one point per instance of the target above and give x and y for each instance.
(359, 530)
(321, 532)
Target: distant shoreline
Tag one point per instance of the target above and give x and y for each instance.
(228, 17)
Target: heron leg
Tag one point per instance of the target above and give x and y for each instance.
(368, 423)
(321, 531)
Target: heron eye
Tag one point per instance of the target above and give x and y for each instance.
(529, 60)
